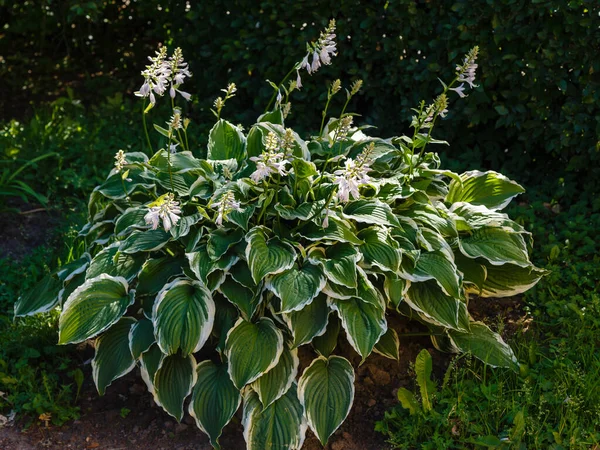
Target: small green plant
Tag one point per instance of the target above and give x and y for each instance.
(124, 412)
(209, 270)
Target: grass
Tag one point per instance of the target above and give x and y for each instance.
(554, 402)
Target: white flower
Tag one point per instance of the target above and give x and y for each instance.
(460, 90)
(226, 205)
(298, 79)
(316, 62)
(168, 211)
(120, 161)
(173, 148)
(321, 51)
(353, 175)
(262, 170)
(270, 161)
(466, 72)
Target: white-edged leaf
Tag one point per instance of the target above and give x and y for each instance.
(252, 350)
(509, 280)
(173, 382)
(113, 358)
(183, 316)
(339, 263)
(157, 272)
(489, 189)
(389, 345)
(280, 426)
(379, 249)
(309, 322)
(202, 265)
(325, 343)
(297, 287)
(221, 240)
(436, 266)
(337, 230)
(497, 245)
(326, 390)
(149, 363)
(92, 308)
(214, 399)
(226, 141)
(373, 212)
(485, 345)
(43, 297)
(436, 307)
(145, 241)
(267, 256)
(364, 323)
(278, 380)
(245, 299)
(141, 337)
(112, 261)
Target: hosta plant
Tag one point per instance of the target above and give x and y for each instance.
(208, 268)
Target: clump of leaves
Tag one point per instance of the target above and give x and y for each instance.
(210, 272)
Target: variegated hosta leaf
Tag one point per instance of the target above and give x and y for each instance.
(156, 273)
(364, 323)
(226, 141)
(202, 265)
(309, 322)
(474, 272)
(379, 249)
(245, 299)
(338, 230)
(252, 350)
(395, 289)
(339, 263)
(436, 266)
(438, 308)
(367, 292)
(267, 256)
(373, 212)
(145, 241)
(325, 343)
(92, 308)
(183, 316)
(509, 280)
(43, 297)
(149, 363)
(297, 287)
(112, 261)
(221, 240)
(486, 345)
(113, 358)
(389, 345)
(173, 382)
(489, 189)
(132, 218)
(214, 400)
(326, 390)
(278, 380)
(280, 426)
(141, 337)
(496, 245)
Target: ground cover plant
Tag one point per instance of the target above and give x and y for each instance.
(209, 270)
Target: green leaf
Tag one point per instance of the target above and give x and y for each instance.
(364, 323)
(226, 315)
(130, 219)
(113, 358)
(325, 343)
(489, 189)
(92, 308)
(303, 211)
(308, 322)
(113, 187)
(149, 362)
(423, 369)
(252, 350)
(389, 345)
(156, 273)
(303, 168)
(280, 426)
(173, 382)
(339, 263)
(112, 261)
(485, 345)
(221, 240)
(436, 266)
(297, 287)
(395, 289)
(267, 256)
(202, 265)
(141, 337)
(372, 212)
(246, 300)
(183, 316)
(408, 401)
(435, 306)
(379, 249)
(326, 390)
(496, 245)
(241, 218)
(145, 241)
(276, 382)
(474, 273)
(337, 230)
(226, 141)
(509, 280)
(214, 399)
(43, 297)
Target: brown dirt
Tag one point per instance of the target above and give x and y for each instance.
(148, 427)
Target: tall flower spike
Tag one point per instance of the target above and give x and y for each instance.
(270, 161)
(320, 52)
(179, 72)
(225, 206)
(120, 160)
(466, 71)
(168, 211)
(156, 76)
(353, 175)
